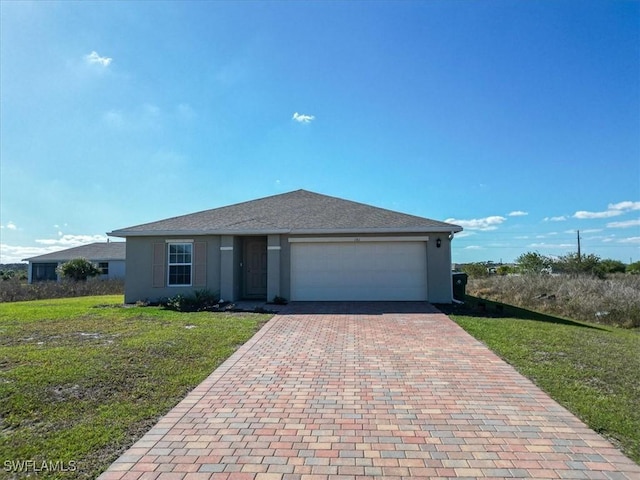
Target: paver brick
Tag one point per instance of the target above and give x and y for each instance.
(336, 391)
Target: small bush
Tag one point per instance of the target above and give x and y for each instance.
(199, 301)
(475, 270)
(277, 300)
(533, 263)
(78, 269)
(633, 268)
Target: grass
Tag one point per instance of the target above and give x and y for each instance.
(592, 370)
(82, 378)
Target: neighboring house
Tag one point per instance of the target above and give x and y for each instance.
(108, 256)
(300, 246)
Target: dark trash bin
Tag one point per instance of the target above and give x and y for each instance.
(459, 285)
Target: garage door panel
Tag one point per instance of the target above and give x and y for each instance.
(359, 271)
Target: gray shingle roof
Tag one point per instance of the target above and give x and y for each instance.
(299, 212)
(100, 251)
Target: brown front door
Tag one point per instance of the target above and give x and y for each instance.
(255, 267)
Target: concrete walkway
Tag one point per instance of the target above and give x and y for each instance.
(333, 391)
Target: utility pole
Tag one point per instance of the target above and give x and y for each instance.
(579, 256)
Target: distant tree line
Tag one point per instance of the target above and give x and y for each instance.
(534, 263)
(9, 271)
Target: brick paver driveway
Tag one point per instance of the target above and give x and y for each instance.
(345, 391)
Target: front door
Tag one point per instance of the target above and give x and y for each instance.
(255, 267)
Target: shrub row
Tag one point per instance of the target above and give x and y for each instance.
(614, 300)
(198, 301)
(15, 290)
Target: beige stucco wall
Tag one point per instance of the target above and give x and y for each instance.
(439, 268)
(138, 282)
(224, 272)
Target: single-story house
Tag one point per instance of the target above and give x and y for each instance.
(108, 256)
(300, 246)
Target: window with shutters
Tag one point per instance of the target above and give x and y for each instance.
(180, 264)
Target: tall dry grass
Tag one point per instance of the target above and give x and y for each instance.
(15, 290)
(614, 300)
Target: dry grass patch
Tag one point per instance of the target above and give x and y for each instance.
(16, 290)
(612, 301)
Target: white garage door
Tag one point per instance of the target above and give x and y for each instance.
(359, 271)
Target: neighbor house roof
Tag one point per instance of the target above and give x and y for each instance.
(100, 251)
(295, 212)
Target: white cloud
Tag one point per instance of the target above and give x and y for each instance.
(9, 226)
(473, 247)
(560, 218)
(613, 210)
(16, 253)
(550, 245)
(583, 215)
(517, 213)
(626, 224)
(483, 224)
(301, 118)
(94, 58)
(68, 241)
(630, 240)
(625, 206)
(463, 234)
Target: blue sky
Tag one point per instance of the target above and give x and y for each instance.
(519, 121)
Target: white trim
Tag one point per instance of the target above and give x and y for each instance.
(179, 240)
(169, 264)
(274, 247)
(226, 249)
(356, 239)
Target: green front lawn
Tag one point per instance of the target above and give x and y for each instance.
(592, 370)
(82, 378)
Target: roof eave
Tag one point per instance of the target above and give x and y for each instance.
(423, 229)
(283, 231)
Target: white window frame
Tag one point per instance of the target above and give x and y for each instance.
(179, 264)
